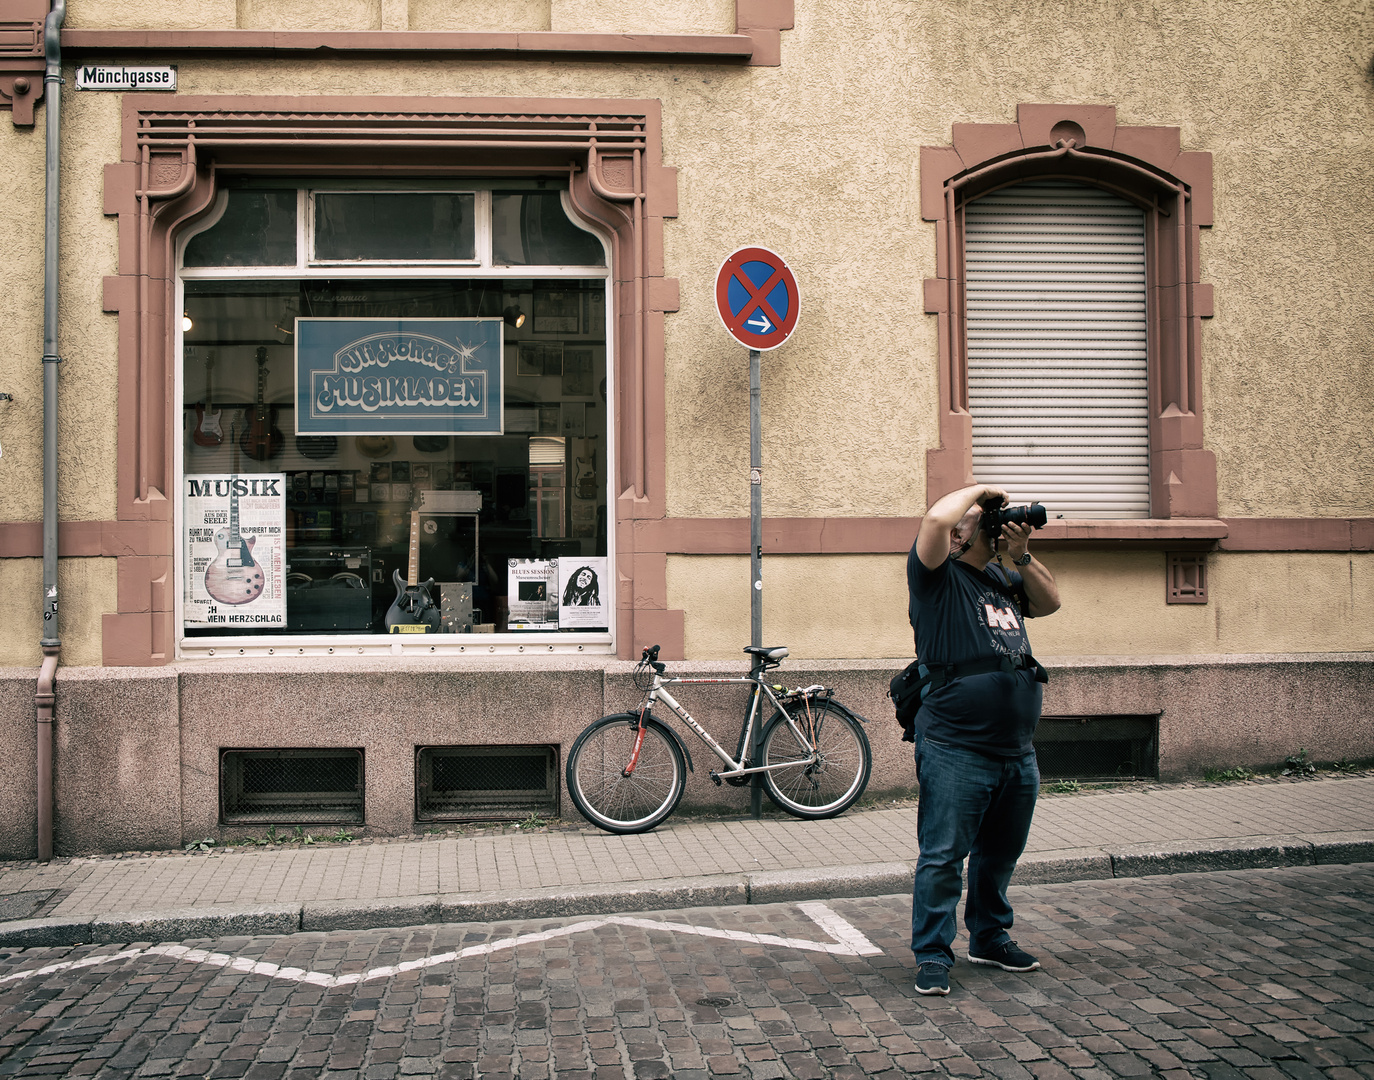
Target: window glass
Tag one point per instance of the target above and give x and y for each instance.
(395, 226)
(530, 228)
(301, 533)
(258, 228)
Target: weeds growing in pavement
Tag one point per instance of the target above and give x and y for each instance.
(1064, 787)
(534, 821)
(1223, 775)
(1298, 765)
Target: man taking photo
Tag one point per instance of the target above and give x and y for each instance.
(974, 759)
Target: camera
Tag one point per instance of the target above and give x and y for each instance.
(994, 517)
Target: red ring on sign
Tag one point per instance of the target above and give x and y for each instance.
(756, 306)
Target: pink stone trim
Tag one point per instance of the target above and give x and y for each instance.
(1174, 188)
(173, 150)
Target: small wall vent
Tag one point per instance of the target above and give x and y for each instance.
(292, 787)
(485, 783)
(1098, 747)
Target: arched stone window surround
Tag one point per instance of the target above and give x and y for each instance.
(173, 152)
(1173, 187)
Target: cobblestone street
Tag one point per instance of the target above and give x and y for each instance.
(1258, 973)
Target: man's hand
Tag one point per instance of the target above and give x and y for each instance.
(1018, 538)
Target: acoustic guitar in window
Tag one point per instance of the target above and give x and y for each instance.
(234, 577)
(413, 611)
(261, 438)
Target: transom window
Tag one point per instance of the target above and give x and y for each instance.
(395, 405)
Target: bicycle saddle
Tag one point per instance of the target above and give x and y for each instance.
(768, 652)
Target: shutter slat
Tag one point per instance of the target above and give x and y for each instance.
(1057, 352)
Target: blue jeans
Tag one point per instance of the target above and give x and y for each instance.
(975, 807)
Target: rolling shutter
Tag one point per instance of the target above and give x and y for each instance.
(1057, 362)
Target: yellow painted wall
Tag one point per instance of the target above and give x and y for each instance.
(86, 589)
(855, 607)
(21, 329)
(818, 158)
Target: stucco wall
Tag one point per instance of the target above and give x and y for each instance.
(817, 158)
(1113, 605)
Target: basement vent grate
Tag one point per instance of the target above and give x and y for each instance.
(485, 783)
(1098, 747)
(293, 787)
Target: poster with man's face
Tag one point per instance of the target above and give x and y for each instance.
(582, 599)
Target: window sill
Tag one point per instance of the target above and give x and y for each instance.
(1176, 534)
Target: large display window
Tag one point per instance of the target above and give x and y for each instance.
(395, 420)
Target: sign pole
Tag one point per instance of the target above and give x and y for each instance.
(758, 303)
(755, 553)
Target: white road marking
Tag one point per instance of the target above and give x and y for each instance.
(848, 941)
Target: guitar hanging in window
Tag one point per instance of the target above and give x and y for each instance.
(261, 437)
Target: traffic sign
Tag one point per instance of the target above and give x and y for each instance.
(757, 298)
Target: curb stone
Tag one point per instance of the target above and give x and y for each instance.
(873, 879)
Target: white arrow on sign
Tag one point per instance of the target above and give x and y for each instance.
(763, 324)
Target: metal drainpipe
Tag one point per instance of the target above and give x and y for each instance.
(45, 695)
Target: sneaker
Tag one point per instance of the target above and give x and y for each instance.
(932, 978)
(1007, 957)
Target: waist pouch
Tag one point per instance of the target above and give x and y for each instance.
(910, 686)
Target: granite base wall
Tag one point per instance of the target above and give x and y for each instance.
(136, 760)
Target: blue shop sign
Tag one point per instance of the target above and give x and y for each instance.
(399, 376)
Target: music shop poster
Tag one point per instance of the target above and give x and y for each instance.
(399, 376)
(235, 550)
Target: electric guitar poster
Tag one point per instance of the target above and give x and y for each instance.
(235, 550)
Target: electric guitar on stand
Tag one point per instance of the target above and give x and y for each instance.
(413, 611)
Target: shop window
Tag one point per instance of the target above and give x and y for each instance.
(366, 431)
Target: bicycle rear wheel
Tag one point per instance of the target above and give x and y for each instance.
(605, 795)
(827, 767)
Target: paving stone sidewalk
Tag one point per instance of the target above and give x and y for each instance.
(556, 873)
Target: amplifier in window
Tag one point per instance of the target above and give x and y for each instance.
(328, 589)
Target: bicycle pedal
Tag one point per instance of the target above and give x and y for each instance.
(715, 778)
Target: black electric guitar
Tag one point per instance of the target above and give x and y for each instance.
(413, 611)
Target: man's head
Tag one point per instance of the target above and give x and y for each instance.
(968, 540)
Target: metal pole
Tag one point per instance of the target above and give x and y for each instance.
(755, 555)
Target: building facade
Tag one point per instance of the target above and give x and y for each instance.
(358, 296)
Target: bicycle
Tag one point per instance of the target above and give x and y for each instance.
(626, 771)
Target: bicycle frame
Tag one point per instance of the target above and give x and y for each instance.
(735, 768)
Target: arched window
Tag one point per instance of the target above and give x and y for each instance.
(1069, 305)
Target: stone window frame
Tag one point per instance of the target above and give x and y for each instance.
(1145, 165)
(172, 152)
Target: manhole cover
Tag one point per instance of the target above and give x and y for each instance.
(715, 1002)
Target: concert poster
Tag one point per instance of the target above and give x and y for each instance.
(235, 532)
(582, 600)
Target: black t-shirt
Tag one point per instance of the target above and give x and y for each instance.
(961, 614)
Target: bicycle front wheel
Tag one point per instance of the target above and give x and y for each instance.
(826, 760)
(610, 798)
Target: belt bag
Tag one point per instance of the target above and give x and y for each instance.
(910, 686)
